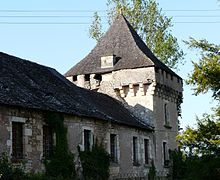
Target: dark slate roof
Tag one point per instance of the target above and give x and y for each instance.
(123, 41)
(30, 85)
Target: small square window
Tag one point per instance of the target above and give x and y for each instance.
(75, 78)
(87, 77)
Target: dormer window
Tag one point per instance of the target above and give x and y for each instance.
(108, 61)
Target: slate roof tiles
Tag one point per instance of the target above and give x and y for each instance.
(30, 85)
(123, 41)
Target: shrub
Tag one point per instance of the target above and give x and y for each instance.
(8, 172)
(60, 163)
(95, 163)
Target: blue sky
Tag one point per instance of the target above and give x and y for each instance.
(62, 45)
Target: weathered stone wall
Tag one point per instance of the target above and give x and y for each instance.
(32, 135)
(145, 91)
(101, 130)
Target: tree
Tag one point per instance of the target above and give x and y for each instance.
(206, 73)
(150, 23)
(95, 28)
(201, 145)
(203, 140)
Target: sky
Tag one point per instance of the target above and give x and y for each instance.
(37, 31)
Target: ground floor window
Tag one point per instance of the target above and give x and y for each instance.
(113, 148)
(87, 139)
(17, 140)
(146, 151)
(135, 150)
(47, 141)
(165, 154)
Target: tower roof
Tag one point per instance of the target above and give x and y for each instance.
(122, 41)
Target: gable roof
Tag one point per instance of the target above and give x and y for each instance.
(30, 85)
(123, 41)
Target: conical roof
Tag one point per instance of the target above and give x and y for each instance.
(122, 41)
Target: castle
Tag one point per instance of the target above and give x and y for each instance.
(126, 97)
(122, 66)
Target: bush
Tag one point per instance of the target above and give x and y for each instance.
(95, 163)
(60, 163)
(8, 172)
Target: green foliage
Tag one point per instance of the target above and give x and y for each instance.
(152, 172)
(206, 73)
(179, 167)
(95, 30)
(195, 167)
(44, 177)
(60, 163)
(200, 150)
(95, 163)
(203, 140)
(150, 23)
(8, 172)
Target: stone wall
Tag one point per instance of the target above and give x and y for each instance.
(146, 92)
(33, 122)
(32, 136)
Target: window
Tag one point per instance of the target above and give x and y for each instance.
(113, 148)
(87, 77)
(75, 78)
(165, 154)
(47, 141)
(98, 77)
(166, 114)
(108, 61)
(135, 150)
(87, 140)
(146, 151)
(17, 140)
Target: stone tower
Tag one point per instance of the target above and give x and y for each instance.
(122, 66)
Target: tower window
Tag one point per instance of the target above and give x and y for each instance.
(98, 77)
(166, 114)
(75, 78)
(165, 154)
(87, 77)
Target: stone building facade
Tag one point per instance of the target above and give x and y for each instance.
(122, 66)
(29, 91)
(126, 98)
(33, 140)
